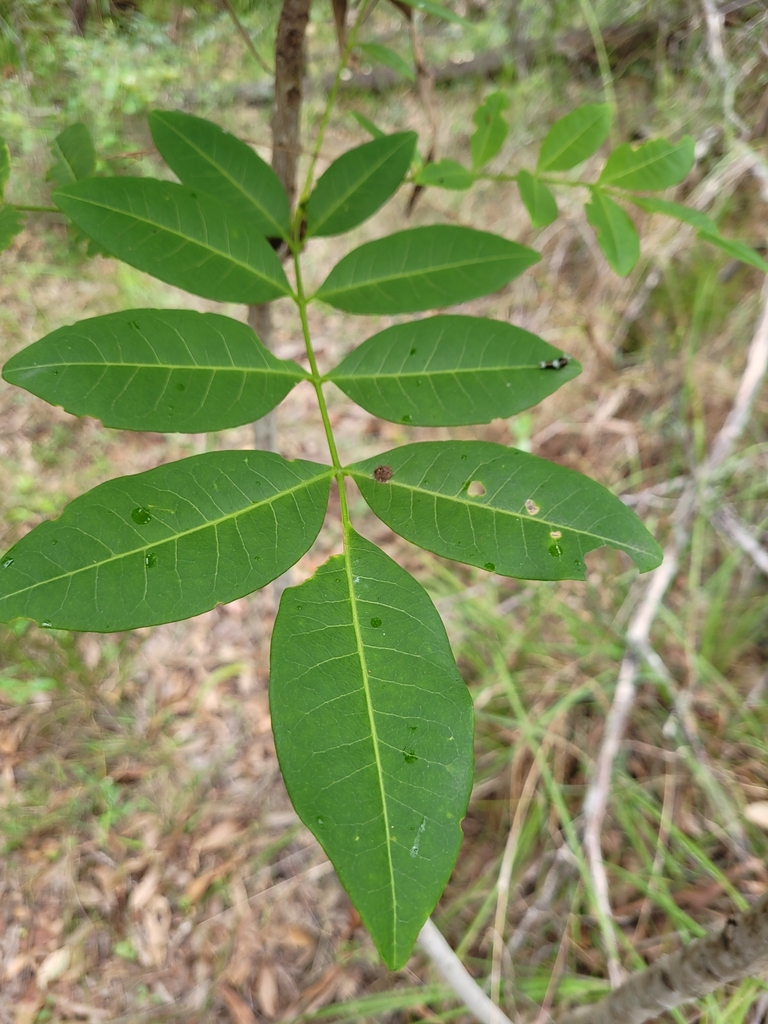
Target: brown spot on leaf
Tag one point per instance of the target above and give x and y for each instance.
(382, 473)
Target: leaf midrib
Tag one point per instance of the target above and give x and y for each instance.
(167, 366)
(262, 209)
(185, 238)
(211, 524)
(463, 370)
(372, 723)
(439, 268)
(476, 503)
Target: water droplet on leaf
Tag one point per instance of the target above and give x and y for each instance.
(409, 756)
(320, 820)
(140, 515)
(490, 566)
(150, 560)
(555, 550)
(46, 623)
(375, 622)
(7, 563)
(407, 418)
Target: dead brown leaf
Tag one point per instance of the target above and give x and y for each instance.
(239, 1010)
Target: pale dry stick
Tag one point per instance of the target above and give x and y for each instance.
(505, 873)
(739, 950)
(455, 973)
(728, 523)
(638, 632)
(562, 865)
(714, 20)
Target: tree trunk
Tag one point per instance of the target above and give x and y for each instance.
(289, 75)
(79, 16)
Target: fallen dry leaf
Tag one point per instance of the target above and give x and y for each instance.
(145, 889)
(266, 991)
(27, 1011)
(54, 965)
(157, 927)
(239, 1010)
(757, 813)
(218, 837)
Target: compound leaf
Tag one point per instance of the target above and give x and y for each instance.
(75, 156)
(424, 268)
(616, 234)
(452, 370)
(358, 183)
(500, 509)
(5, 165)
(152, 369)
(383, 55)
(686, 214)
(490, 129)
(11, 223)
(166, 544)
(446, 174)
(438, 11)
(739, 250)
(575, 137)
(655, 165)
(204, 156)
(184, 237)
(538, 200)
(373, 730)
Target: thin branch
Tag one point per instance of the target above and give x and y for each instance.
(727, 522)
(738, 951)
(714, 20)
(457, 976)
(638, 633)
(246, 38)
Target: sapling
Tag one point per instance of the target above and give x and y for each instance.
(372, 720)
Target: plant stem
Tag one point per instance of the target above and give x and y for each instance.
(602, 58)
(331, 100)
(35, 209)
(317, 383)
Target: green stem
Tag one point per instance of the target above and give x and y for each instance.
(329, 105)
(317, 383)
(34, 209)
(602, 57)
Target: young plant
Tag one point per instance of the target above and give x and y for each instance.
(372, 721)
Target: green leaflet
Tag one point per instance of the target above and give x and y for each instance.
(616, 234)
(373, 730)
(11, 223)
(528, 518)
(383, 55)
(166, 544)
(184, 237)
(451, 370)
(204, 156)
(367, 125)
(446, 174)
(424, 268)
(438, 11)
(574, 137)
(538, 200)
(653, 166)
(739, 250)
(686, 214)
(354, 187)
(490, 129)
(151, 369)
(75, 156)
(5, 165)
